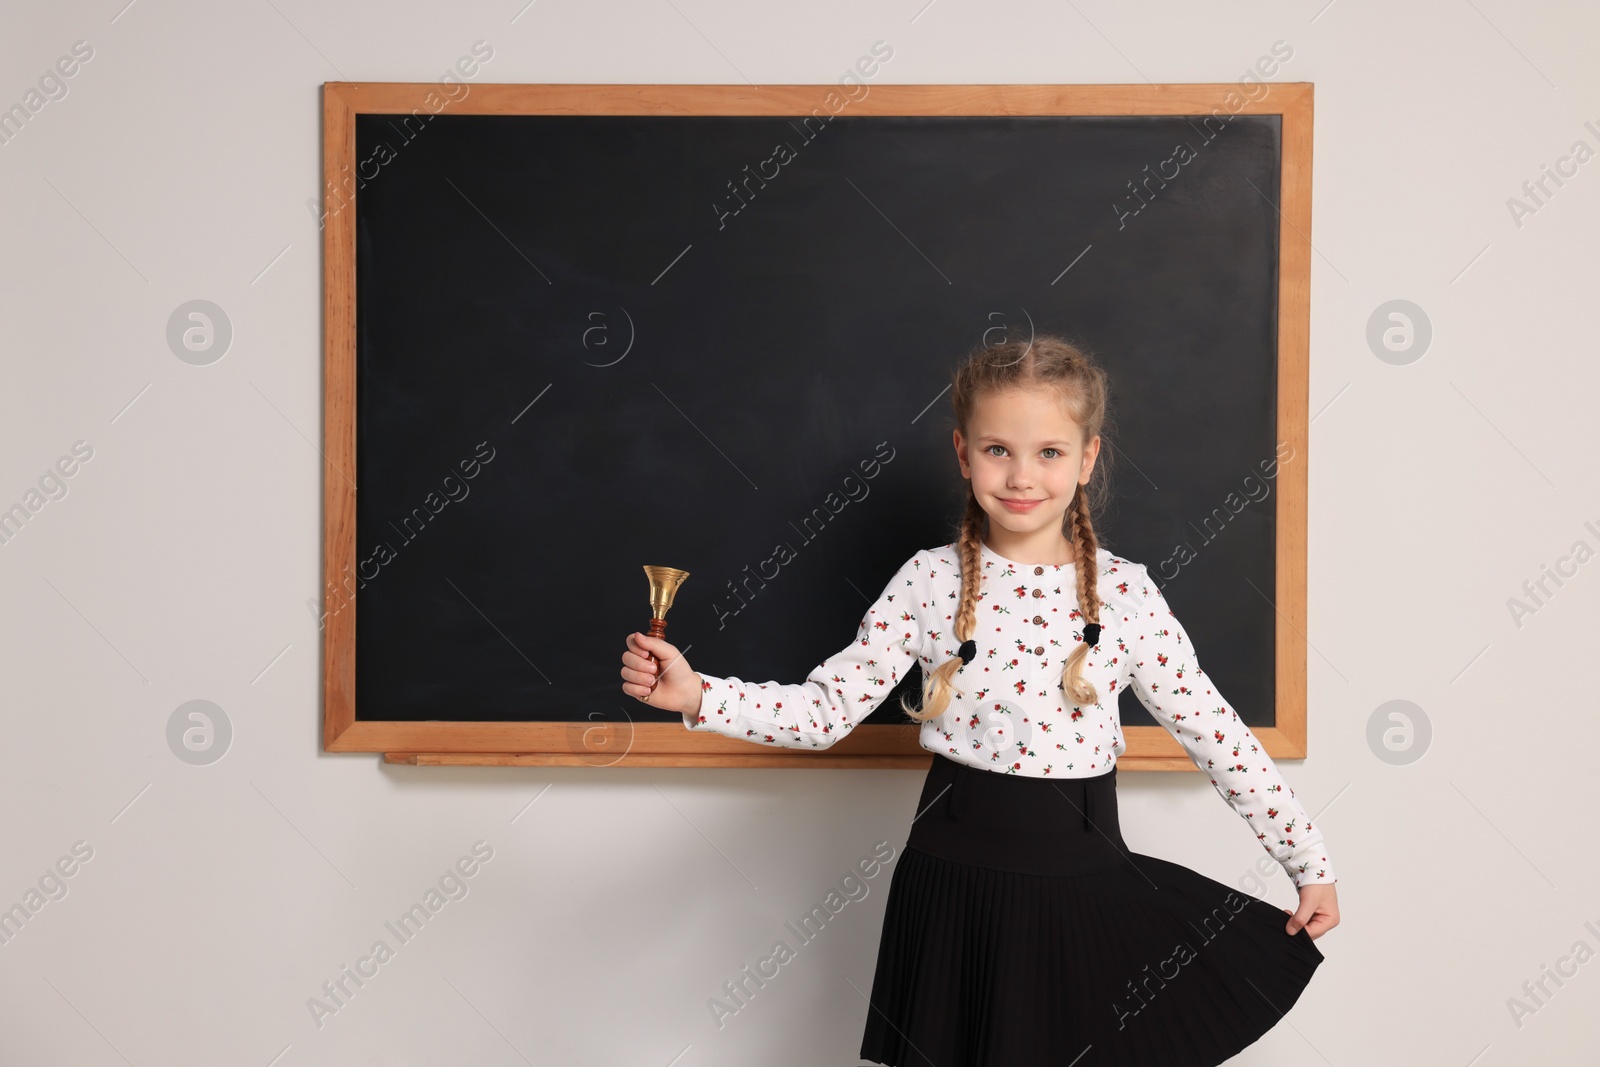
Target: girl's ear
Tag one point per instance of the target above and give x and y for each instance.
(961, 452)
(1090, 454)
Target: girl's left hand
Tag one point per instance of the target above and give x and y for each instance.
(1319, 910)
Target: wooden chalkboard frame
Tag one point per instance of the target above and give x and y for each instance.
(655, 744)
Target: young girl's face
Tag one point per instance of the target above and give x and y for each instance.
(1025, 457)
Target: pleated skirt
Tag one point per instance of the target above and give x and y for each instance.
(1020, 930)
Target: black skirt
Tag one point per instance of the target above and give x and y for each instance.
(1020, 930)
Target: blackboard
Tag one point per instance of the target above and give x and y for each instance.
(588, 342)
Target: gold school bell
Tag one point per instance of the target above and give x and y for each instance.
(664, 584)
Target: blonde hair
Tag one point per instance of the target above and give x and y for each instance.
(1046, 362)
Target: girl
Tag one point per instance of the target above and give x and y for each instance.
(1019, 928)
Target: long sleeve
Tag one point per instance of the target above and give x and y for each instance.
(841, 691)
(1166, 677)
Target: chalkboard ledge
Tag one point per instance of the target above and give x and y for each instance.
(689, 759)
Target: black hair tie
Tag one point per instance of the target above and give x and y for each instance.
(1091, 634)
(968, 651)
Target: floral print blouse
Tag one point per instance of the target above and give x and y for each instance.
(1009, 713)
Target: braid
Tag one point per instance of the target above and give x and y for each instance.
(937, 684)
(970, 545)
(1080, 531)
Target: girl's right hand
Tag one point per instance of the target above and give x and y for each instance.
(672, 687)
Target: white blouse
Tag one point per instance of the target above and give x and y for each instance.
(1009, 713)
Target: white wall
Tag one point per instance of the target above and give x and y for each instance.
(219, 898)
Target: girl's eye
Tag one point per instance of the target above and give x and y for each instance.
(1057, 451)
